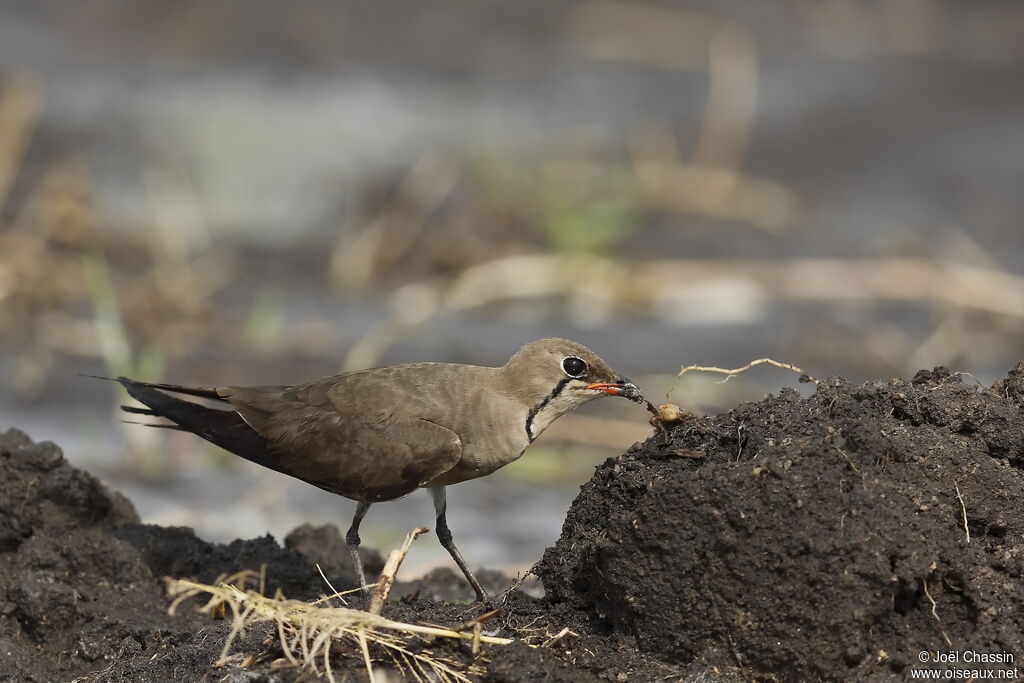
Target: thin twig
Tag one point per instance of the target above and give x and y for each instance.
(846, 456)
(503, 595)
(557, 637)
(963, 509)
(736, 371)
(478, 630)
(735, 651)
(339, 594)
(366, 655)
(936, 614)
(334, 591)
(387, 575)
(380, 593)
(958, 374)
(470, 623)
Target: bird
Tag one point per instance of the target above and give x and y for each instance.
(379, 434)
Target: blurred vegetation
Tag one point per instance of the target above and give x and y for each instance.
(581, 231)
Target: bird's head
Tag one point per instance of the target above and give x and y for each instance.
(553, 376)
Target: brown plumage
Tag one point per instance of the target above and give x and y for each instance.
(379, 434)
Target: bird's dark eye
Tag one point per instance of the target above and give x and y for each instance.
(574, 367)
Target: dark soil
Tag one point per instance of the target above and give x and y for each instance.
(82, 596)
(798, 537)
(791, 539)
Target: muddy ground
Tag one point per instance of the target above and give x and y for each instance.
(833, 537)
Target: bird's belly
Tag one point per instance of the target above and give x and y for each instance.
(480, 461)
(464, 472)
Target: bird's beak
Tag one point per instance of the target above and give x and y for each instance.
(620, 387)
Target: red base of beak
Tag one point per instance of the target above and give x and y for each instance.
(611, 389)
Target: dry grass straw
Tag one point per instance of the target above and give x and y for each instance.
(20, 104)
(309, 631)
(387, 575)
(963, 509)
(655, 284)
(710, 182)
(935, 613)
(729, 374)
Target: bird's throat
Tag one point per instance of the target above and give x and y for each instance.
(553, 406)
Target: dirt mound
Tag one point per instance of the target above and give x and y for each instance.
(811, 538)
(80, 578)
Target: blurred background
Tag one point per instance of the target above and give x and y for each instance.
(238, 192)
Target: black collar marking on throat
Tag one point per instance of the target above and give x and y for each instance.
(540, 406)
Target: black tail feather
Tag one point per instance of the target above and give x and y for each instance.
(137, 410)
(225, 428)
(198, 392)
(161, 426)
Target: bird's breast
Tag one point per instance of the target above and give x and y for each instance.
(493, 434)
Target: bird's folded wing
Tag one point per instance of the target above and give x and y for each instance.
(360, 459)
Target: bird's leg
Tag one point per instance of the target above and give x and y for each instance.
(352, 541)
(444, 535)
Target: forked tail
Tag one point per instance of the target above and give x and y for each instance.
(224, 428)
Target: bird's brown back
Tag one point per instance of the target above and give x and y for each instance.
(388, 430)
